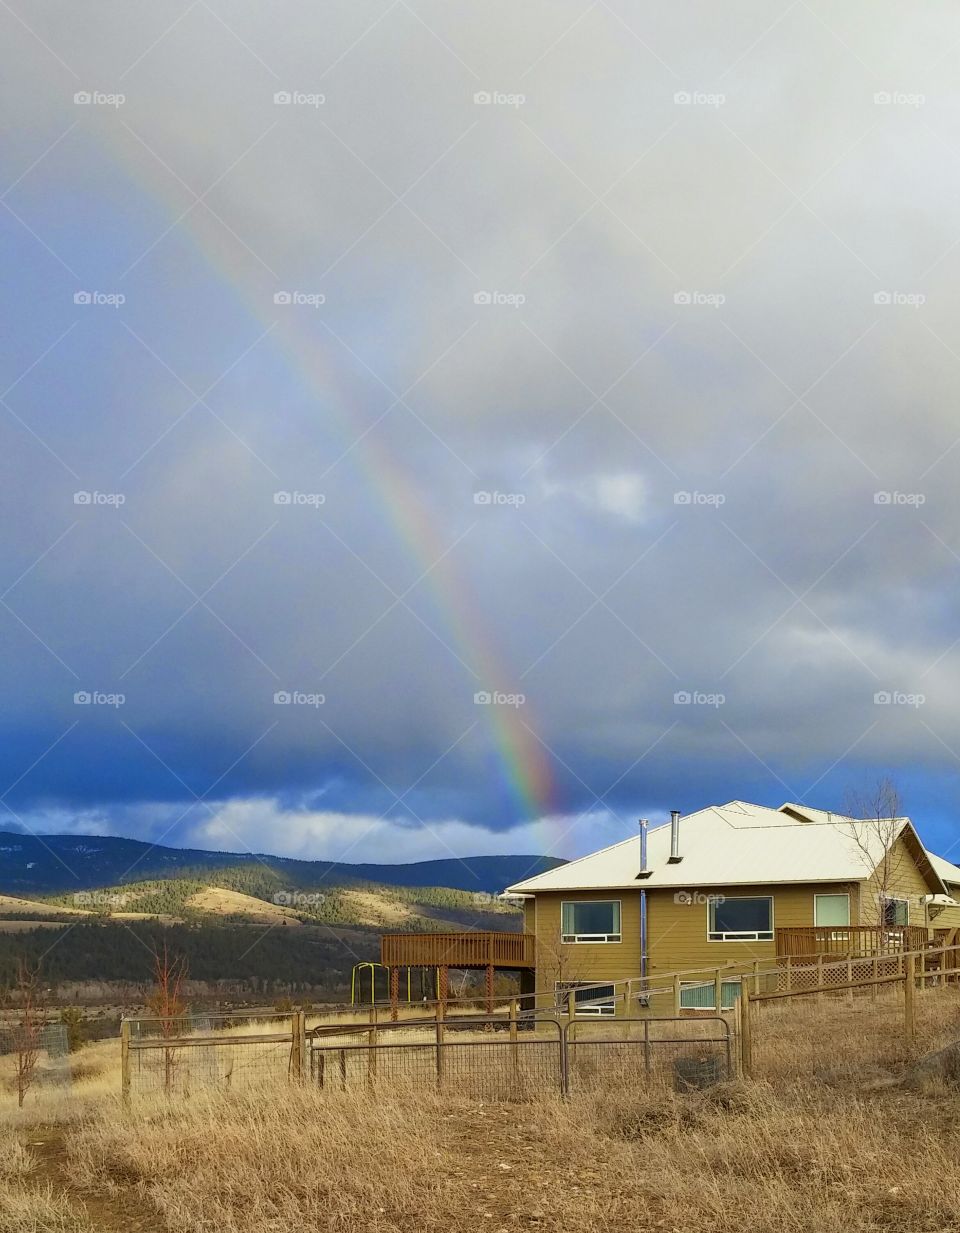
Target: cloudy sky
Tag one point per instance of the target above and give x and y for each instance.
(436, 427)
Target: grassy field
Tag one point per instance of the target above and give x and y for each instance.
(825, 1145)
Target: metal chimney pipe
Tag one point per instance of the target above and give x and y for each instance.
(675, 857)
(643, 845)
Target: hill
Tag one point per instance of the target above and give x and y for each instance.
(56, 864)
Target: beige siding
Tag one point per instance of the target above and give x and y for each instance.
(903, 881)
(678, 930)
(585, 961)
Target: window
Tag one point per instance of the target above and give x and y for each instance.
(697, 995)
(740, 920)
(895, 912)
(588, 999)
(831, 910)
(590, 920)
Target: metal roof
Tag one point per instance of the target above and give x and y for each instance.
(738, 843)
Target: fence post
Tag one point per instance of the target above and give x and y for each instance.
(646, 1045)
(909, 1021)
(876, 973)
(849, 978)
(298, 1045)
(372, 1042)
(439, 1045)
(746, 1033)
(820, 976)
(756, 976)
(676, 996)
(125, 1060)
(514, 1053)
(789, 967)
(718, 992)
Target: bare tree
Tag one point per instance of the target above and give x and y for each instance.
(878, 815)
(28, 1026)
(166, 1002)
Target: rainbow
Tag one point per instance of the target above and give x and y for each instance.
(517, 759)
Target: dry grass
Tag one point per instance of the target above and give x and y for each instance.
(805, 1149)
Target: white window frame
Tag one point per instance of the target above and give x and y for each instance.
(831, 895)
(605, 1008)
(750, 935)
(712, 984)
(602, 939)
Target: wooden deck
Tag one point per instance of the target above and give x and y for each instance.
(458, 950)
(849, 940)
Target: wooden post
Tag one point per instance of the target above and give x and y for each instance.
(718, 992)
(125, 1060)
(909, 1020)
(676, 996)
(876, 973)
(443, 983)
(394, 993)
(298, 1045)
(372, 1042)
(746, 1032)
(849, 978)
(514, 1051)
(820, 976)
(440, 1044)
(489, 988)
(756, 976)
(789, 966)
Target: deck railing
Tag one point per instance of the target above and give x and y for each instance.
(849, 939)
(455, 950)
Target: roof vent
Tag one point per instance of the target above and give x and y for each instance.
(644, 871)
(675, 857)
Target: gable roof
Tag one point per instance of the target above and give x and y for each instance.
(741, 844)
(946, 870)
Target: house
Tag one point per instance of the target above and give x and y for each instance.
(734, 883)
